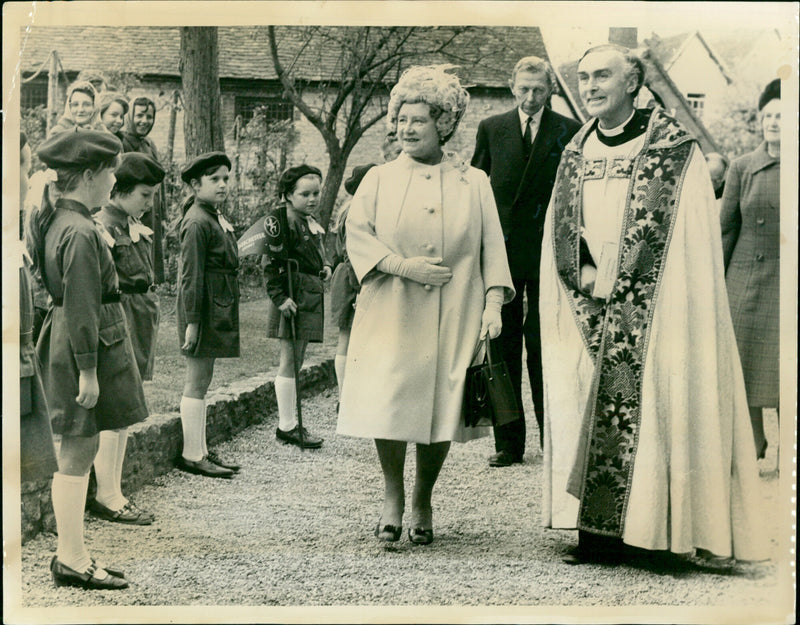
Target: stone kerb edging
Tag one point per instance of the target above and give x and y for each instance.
(154, 444)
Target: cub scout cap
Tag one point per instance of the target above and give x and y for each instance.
(79, 148)
(194, 168)
(137, 168)
(351, 184)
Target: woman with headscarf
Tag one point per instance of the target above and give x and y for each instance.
(138, 124)
(113, 107)
(424, 239)
(80, 110)
(750, 219)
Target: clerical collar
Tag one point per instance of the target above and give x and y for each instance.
(617, 130)
(634, 126)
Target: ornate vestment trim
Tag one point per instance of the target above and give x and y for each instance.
(616, 332)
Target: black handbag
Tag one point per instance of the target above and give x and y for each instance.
(489, 398)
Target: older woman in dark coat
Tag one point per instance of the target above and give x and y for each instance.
(750, 221)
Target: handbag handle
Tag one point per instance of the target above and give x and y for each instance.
(488, 344)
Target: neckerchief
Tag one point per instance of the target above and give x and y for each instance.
(313, 225)
(137, 229)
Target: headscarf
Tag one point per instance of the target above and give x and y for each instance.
(132, 141)
(66, 121)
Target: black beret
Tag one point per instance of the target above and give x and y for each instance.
(79, 148)
(137, 168)
(289, 178)
(771, 92)
(356, 176)
(196, 167)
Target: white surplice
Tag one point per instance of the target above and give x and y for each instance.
(695, 479)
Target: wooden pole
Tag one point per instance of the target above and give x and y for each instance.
(52, 91)
(173, 113)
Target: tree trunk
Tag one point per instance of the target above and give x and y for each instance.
(330, 188)
(199, 66)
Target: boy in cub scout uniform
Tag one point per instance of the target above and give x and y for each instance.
(647, 437)
(130, 241)
(295, 237)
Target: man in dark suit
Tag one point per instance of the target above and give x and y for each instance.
(520, 151)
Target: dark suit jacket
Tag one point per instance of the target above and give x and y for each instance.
(522, 188)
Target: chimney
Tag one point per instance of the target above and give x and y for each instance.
(625, 36)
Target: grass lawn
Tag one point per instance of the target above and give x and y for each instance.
(259, 354)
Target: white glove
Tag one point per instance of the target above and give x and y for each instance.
(422, 269)
(492, 320)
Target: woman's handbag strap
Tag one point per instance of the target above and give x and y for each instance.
(488, 344)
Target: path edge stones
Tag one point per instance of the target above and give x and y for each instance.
(154, 444)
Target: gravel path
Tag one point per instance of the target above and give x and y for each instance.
(295, 529)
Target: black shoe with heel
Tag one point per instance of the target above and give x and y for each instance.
(419, 536)
(388, 533)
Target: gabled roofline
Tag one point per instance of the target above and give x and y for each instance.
(573, 105)
(706, 139)
(726, 74)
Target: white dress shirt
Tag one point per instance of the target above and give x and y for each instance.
(536, 119)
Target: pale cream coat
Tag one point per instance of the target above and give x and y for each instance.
(410, 345)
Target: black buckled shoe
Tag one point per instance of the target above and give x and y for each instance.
(129, 514)
(292, 437)
(203, 467)
(111, 570)
(65, 576)
(215, 459)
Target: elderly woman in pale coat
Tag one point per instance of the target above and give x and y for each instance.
(425, 242)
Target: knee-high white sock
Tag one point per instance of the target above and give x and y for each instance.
(286, 394)
(192, 417)
(69, 500)
(203, 440)
(339, 363)
(105, 469)
(122, 445)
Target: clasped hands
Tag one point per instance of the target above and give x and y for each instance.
(429, 271)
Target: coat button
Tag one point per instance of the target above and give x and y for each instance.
(759, 257)
(430, 209)
(760, 221)
(427, 176)
(428, 287)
